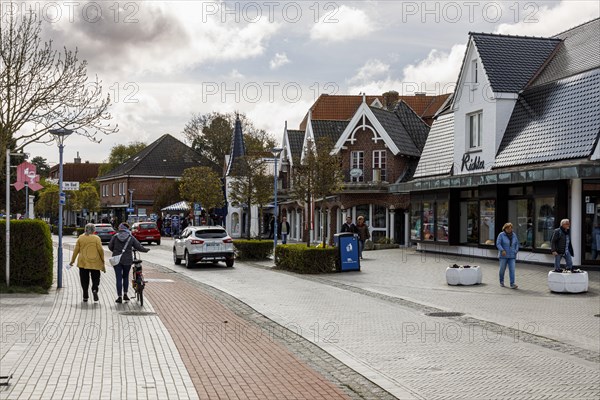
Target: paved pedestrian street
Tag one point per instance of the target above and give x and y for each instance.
(252, 332)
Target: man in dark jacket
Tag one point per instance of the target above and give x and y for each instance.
(348, 226)
(123, 243)
(562, 246)
(283, 230)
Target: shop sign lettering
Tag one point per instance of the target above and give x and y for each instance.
(471, 165)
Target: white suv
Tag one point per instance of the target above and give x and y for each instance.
(203, 244)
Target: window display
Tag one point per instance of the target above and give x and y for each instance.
(487, 212)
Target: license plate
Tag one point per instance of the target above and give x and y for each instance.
(213, 244)
(149, 237)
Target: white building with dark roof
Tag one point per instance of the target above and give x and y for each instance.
(518, 143)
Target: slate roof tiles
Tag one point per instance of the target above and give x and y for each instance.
(510, 62)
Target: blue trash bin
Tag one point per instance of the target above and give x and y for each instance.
(347, 244)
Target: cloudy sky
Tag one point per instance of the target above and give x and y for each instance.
(162, 61)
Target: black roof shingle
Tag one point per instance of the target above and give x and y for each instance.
(510, 62)
(561, 118)
(166, 156)
(329, 129)
(296, 140)
(397, 131)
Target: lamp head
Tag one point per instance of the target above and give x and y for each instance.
(276, 151)
(60, 134)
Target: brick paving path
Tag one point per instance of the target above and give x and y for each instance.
(229, 356)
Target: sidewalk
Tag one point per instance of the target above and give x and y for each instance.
(189, 341)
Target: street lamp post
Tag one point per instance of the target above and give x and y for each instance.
(60, 135)
(276, 151)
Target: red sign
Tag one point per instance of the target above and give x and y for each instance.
(26, 174)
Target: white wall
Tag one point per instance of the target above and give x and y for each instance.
(496, 108)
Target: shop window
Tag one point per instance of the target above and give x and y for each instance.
(487, 215)
(415, 221)
(428, 221)
(378, 216)
(376, 236)
(544, 223)
(469, 222)
(442, 221)
(520, 213)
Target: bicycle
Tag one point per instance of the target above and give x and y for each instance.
(138, 283)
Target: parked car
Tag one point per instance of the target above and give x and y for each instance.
(146, 232)
(203, 244)
(105, 232)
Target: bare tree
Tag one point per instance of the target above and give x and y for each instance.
(318, 176)
(43, 88)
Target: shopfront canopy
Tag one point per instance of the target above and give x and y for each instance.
(180, 206)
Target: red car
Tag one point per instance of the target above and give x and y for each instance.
(146, 232)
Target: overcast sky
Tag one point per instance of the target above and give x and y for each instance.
(162, 61)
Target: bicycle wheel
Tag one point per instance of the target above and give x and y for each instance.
(141, 297)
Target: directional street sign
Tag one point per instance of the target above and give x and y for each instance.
(70, 185)
(130, 210)
(62, 198)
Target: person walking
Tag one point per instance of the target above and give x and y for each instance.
(561, 246)
(596, 240)
(283, 229)
(348, 226)
(363, 234)
(508, 247)
(90, 261)
(123, 243)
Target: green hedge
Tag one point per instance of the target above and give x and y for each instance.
(30, 253)
(306, 260)
(253, 249)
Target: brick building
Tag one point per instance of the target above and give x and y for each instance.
(136, 180)
(377, 147)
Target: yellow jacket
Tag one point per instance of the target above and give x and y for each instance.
(90, 251)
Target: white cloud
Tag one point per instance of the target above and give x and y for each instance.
(279, 60)
(341, 24)
(549, 21)
(372, 69)
(438, 68)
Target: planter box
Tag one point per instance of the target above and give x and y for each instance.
(568, 282)
(384, 246)
(464, 276)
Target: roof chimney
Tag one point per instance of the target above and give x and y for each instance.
(420, 94)
(77, 159)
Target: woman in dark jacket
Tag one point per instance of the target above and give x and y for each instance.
(562, 246)
(123, 243)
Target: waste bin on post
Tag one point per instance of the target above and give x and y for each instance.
(347, 244)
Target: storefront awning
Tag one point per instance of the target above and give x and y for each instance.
(180, 206)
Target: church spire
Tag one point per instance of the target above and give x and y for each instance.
(238, 149)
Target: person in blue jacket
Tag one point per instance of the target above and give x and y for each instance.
(508, 247)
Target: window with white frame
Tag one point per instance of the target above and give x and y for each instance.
(379, 164)
(474, 72)
(120, 188)
(114, 187)
(475, 128)
(357, 163)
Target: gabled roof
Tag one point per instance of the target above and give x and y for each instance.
(416, 128)
(343, 107)
(296, 138)
(238, 149)
(329, 129)
(396, 131)
(438, 155)
(165, 157)
(510, 62)
(579, 52)
(561, 118)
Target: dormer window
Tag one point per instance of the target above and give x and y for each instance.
(475, 129)
(474, 72)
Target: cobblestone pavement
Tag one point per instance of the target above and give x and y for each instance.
(517, 344)
(189, 341)
(64, 348)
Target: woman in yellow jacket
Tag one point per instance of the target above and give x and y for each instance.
(90, 262)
